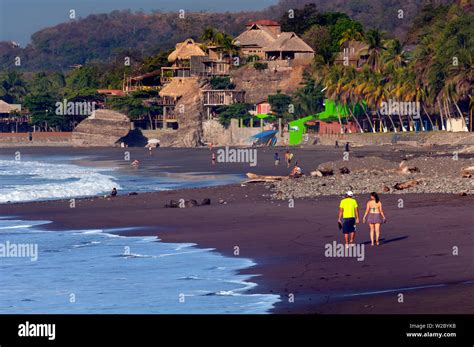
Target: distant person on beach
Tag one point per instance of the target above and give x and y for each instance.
(336, 145)
(375, 216)
(288, 158)
(114, 192)
(276, 157)
(296, 172)
(347, 147)
(150, 149)
(348, 218)
(213, 159)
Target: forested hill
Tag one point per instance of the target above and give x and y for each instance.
(106, 36)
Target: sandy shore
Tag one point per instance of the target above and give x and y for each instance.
(288, 244)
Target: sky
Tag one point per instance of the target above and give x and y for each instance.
(19, 19)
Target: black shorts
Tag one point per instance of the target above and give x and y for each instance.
(348, 225)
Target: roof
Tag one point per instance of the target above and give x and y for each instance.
(256, 35)
(185, 50)
(288, 42)
(179, 87)
(7, 108)
(265, 22)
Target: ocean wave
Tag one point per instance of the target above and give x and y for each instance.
(41, 181)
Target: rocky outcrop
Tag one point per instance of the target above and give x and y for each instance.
(258, 85)
(189, 111)
(104, 128)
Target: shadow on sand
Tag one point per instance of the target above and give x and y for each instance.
(383, 241)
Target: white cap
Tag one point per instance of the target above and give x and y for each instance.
(350, 193)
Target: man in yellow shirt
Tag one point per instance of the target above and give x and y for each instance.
(348, 217)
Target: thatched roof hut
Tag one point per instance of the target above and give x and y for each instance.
(256, 35)
(179, 87)
(185, 50)
(8, 108)
(289, 42)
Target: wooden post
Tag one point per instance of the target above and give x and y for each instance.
(470, 119)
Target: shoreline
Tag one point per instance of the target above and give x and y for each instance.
(287, 244)
(290, 261)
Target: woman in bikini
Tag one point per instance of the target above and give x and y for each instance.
(375, 216)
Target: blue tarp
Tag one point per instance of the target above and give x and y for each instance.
(267, 138)
(263, 134)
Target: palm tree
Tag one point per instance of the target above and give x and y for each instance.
(309, 98)
(351, 34)
(374, 40)
(12, 87)
(209, 35)
(395, 56)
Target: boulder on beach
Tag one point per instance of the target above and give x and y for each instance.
(103, 128)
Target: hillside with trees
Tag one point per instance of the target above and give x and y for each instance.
(106, 37)
(436, 71)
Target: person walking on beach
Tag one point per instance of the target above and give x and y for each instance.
(347, 147)
(348, 218)
(213, 158)
(276, 157)
(375, 216)
(288, 158)
(336, 144)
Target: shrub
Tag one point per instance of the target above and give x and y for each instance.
(260, 66)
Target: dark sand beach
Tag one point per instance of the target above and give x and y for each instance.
(288, 244)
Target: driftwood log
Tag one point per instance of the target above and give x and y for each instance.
(254, 178)
(406, 185)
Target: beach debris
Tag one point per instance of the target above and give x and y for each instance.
(132, 193)
(172, 204)
(344, 170)
(467, 172)
(187, 203)
(316, 173)
(463, 194)
(254, 178)
(406, 185)
(222, 202)
(404, 169)
(386, 189)
(326, 171)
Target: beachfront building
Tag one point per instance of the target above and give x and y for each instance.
(192, 59)
(181, 60)
(213, 99)
(264, 38)
(12, 119)
(289, 46)
(142, 82)
(257, 36)
(353, 53)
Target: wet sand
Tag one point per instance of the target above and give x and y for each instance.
(288, 244)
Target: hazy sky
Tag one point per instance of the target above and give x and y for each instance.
(21, 18)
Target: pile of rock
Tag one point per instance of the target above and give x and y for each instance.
(365, 175)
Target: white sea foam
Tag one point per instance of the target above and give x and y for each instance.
(40, 181)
